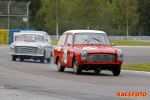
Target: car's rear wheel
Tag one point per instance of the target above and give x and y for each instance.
(49, 59)
(13, 58)
(97, 71)
(42, 59)
(116, 70)
(59, 67)
(76, 68)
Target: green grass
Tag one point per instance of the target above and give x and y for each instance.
(137, 67)
(54, 41)
(129, 43)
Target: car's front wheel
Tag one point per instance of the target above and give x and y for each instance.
(116, 70)
(76, 68)
(42, 59)
(59, 67)
(13, 58)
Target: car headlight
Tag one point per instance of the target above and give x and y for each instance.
(83, 55)
(12, 48)
(120, 55)
(39, 49)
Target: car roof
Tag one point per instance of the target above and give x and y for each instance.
(32, 32)
(84, 31)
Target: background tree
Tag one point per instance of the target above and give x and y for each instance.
(86, 13)
(144, 17)
(105, 20)
(115, 17)
(49, 8)
(125, 16)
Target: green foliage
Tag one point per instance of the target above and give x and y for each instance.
(111, 16)
(49, 10)
(125, 11)
(54, 41)
(86, 13)
(106, 18)
(40, 23)
(144, 16)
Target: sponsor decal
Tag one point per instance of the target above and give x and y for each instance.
(89, 47)
(65, 56)
(30, 37)
(131, 94)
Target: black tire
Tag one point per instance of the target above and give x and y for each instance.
(76, 68)
(49, 59)
(42, 59)
(22, 59)
(59, 67)
(13, 58)
(116, 70)
(96, 71)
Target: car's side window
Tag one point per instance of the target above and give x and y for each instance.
(62, 40)
(49, 39)
(69, 40)
(46, 37)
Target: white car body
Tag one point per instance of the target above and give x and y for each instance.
(34, 45)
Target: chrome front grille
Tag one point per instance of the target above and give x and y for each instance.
(26, 50)
(101, 58)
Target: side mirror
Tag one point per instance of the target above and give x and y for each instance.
(68, 44)
(46, 40)
(113, 44)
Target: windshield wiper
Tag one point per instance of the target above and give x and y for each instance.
(96, 39)
(85, 40)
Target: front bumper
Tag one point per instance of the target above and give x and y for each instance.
(100, 63)
(22, 54)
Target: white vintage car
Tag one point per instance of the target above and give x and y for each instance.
(34, 45)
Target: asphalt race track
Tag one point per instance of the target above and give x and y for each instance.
(31, 80)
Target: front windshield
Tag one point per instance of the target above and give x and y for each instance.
(91, 38)
(30, 38)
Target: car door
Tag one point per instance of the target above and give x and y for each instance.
(60, 49)
(67, 55)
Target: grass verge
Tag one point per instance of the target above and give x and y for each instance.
(137, 67)
(129, 43)
(54, 41)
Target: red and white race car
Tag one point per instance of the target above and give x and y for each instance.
(87, 50)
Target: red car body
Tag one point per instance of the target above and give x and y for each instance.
(87, 50)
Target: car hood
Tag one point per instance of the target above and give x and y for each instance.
(98, 49)
(33, 44)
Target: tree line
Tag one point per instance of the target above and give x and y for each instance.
(115, 17)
